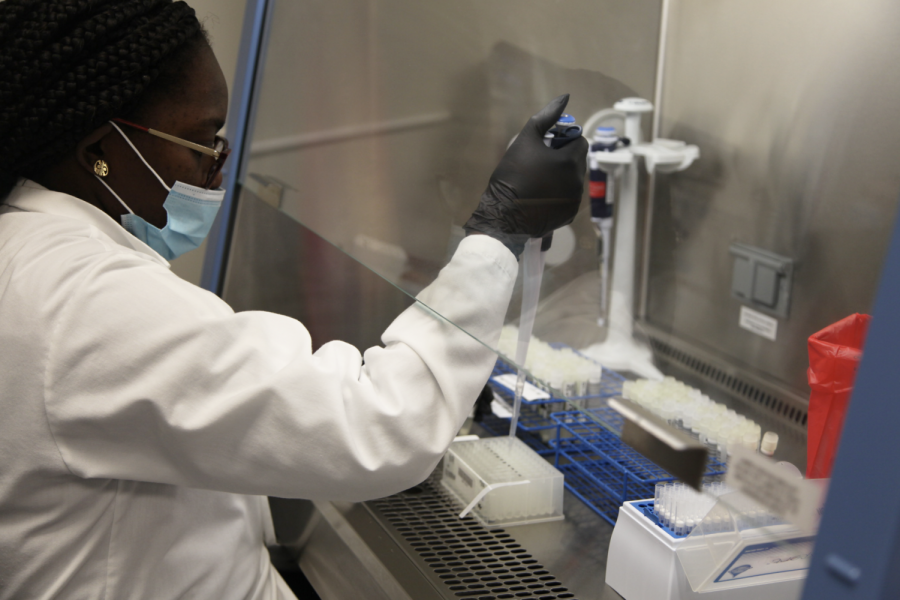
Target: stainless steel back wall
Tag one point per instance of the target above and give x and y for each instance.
(794, 106)
(385, 118)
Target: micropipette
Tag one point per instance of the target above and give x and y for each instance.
(558, 136)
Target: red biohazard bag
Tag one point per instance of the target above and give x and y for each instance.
(834, 355)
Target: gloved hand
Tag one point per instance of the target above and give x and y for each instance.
(534, 189)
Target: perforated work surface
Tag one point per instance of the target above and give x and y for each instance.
(469, 560)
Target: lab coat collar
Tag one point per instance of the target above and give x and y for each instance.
(33, 197)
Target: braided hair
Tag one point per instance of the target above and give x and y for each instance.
(69, 66)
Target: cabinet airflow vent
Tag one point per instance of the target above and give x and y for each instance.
(467, 559)
(739, 386)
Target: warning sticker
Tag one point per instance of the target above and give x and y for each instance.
(758, 323)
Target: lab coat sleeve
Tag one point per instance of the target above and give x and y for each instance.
(149, 378)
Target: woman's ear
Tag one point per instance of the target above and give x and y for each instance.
(90, 149)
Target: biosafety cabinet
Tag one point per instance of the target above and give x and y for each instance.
(753, 190)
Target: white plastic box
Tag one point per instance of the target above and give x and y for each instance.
(524, 488)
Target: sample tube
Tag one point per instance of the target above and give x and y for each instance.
(594, 383)
(769, 443)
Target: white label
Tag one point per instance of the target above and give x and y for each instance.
(768, 558)
(500, 409)
(530, 393)
(758, 323)
(775, 488)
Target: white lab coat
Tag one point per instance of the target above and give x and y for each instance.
(144, 422)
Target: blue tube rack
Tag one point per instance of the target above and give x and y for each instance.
(600, 468)
(535, 416)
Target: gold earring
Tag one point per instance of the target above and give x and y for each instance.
(101, 168)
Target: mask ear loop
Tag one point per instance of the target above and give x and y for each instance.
(141, 156)
(106, 185)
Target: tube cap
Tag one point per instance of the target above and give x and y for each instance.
(769, 443)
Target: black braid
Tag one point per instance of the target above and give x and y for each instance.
(68, 66)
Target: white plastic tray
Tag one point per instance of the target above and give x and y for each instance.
(509, 483)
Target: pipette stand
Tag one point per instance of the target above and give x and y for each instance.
(620, 350)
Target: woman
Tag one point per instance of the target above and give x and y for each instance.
(144, 422)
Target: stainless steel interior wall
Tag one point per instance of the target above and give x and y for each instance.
(385, 118)
(794, 106)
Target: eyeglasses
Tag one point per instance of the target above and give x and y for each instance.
(219, 151)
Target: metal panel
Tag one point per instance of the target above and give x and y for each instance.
(385, 118)
(794, 110)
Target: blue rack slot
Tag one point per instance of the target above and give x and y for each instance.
(607, 472)
(646, 509)
(595, 498)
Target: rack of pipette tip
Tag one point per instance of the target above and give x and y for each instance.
(560, 369)
(679, 508)
(688, 409)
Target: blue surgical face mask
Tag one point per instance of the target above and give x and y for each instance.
(190, 212)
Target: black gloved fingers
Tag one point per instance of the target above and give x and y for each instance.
(575, 151)
(532, 170)
(546, 118)
(540, 216)
(571, 159)
(534, 189)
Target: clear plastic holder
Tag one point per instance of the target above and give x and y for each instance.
(492, 508)
(762, 532)
(388, 174)
(391, 264)
(387, 165)
(380, 165)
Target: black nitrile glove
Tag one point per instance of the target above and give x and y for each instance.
(534, 189)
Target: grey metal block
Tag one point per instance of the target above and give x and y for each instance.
(765, 285)
(742, 277)
(762, 279)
